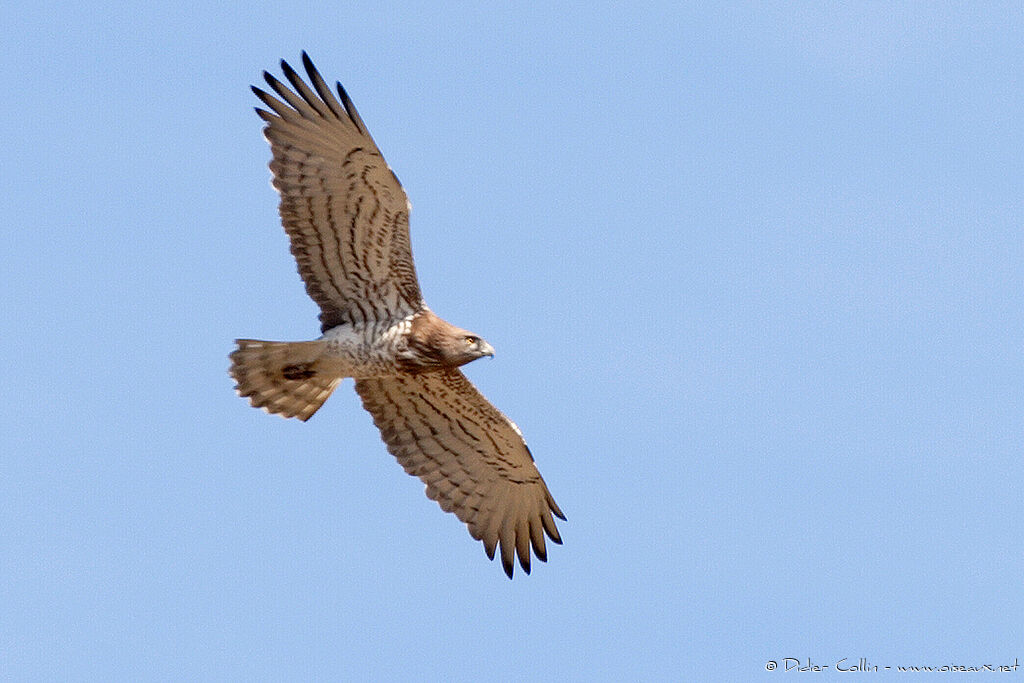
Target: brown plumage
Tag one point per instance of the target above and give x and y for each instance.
(347, 219)
(435, 344)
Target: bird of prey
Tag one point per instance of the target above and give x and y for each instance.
(347, 218)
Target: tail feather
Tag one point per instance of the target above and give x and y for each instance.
(281, 377)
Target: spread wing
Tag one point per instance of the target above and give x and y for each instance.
(344, 210)
(471, 457)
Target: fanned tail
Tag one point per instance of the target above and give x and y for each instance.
(281, 377)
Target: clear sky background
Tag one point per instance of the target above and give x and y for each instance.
(753, 272)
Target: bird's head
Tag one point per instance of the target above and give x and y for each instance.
(433, 343)
(459, 347)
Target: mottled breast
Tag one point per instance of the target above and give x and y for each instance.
(364, 351)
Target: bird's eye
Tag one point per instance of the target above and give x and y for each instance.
(471, 340)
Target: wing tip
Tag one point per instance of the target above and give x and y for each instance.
(307, 64)
(553, 506)
(350, 109)
(509, 566)
(552, 531)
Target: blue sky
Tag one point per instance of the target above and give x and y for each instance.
(754, 276)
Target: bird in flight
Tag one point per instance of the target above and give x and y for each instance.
(347, 218)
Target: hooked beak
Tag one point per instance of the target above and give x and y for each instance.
(486, 349)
